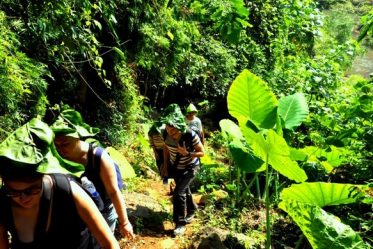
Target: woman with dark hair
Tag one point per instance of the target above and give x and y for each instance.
(40, 207)
(181, 162)
(98, 167)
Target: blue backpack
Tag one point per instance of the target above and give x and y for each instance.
(97, 162)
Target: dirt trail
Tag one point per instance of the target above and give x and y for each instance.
(157, 235)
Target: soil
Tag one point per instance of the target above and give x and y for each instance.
(156, 231)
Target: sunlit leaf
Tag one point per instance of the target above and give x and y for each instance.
(97, 24)
(324, 194)
(249, 97)
(126, 170)
(322, 230)
(297, 155)
(330, 159)
(274, 148)
(245, 160)
(232, 129)
(119, 52)
(293, 109)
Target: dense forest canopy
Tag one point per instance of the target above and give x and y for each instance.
(120, 61)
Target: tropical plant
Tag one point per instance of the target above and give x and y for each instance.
(304, 202)
(258, 112)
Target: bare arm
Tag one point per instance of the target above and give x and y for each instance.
(109, 178)
(92, 217)
(4, 240)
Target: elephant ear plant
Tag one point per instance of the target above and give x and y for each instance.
(257, 143)
(304, 202)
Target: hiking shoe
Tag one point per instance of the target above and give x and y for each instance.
(179, 230)
(189, 218)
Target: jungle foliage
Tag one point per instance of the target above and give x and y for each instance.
(116, 61)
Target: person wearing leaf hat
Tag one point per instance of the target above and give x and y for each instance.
(40, 206)
(194, 122)
(99, 167)
(181, 161)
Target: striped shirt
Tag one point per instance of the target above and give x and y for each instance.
(191, 139)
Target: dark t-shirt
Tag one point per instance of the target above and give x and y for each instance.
(66, 230)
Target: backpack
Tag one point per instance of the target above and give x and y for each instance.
(97, 161)
(91, 181)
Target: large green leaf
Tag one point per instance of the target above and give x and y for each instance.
(28, 144)
(50, 164)
(293, 109)
(297, 155)
(73, 168)
(243, 159)
(30, 147)
(324, 194)
(278, 152)
(230, 128)
(323, 230)
(71, 123)
(249, 97)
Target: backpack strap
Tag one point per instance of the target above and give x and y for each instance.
(97, 158)
(94, 158)
(164, 135)
(46, 207)
(90, 166)
(96, 164)
(62, 185)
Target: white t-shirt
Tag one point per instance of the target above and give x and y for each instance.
(194, 124)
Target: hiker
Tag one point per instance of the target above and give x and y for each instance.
(99, 168)
(157, 143)
(39, 208)
(181, 161)
(194, 122)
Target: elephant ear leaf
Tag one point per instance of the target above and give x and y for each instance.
(323, 230)
(324, 194)
(274, 148)
(229, 127)
(245, 160)
(293, 109)
(249, 97)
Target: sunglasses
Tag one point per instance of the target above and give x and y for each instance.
(33, 190)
